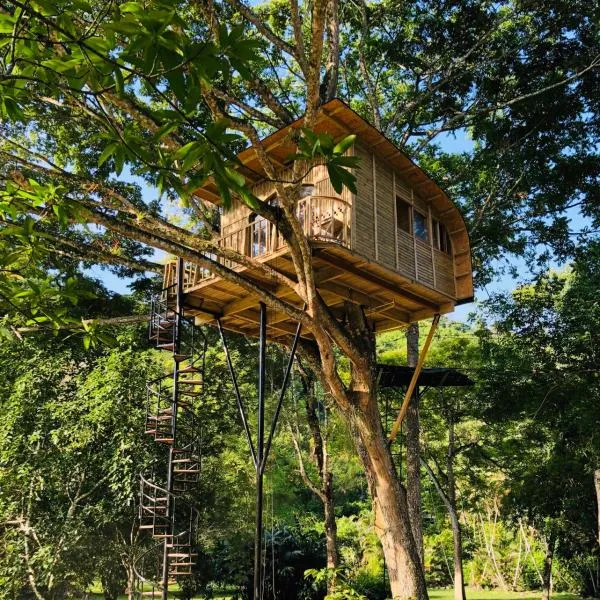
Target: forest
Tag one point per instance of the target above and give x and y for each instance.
(112, 116)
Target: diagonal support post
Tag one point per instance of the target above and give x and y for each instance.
(413, 382)
(284, 385)
(238, 397)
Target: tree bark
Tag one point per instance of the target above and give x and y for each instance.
(358, 406)
(597, 485)
(330, 525)
(413, 450)
(321, 457)
(390, 505)
(392, 520)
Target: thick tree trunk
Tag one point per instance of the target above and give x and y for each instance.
(547, 571)
(413, 450)
(392, 520)
(597, 485)
(359, 407)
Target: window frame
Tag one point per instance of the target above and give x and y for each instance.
(409, 208)
(427, 238)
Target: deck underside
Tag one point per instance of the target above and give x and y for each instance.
(389, 300)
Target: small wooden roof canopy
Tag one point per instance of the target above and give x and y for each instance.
(399, 376)
(344, 271)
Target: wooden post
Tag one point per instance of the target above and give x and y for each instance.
(375, 223)
(413, 382)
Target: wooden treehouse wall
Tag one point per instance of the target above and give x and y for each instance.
(374, 231)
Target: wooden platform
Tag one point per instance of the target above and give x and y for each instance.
(390, 300)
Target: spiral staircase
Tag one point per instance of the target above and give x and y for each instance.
(166, 507)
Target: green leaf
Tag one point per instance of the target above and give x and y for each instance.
(344, 144)
(119, 82)
(107, 153)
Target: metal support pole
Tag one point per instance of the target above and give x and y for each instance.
(238, 396)
(260, 450)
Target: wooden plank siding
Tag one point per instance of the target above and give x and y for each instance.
(374, 231)
(378, 238)
(364, 216)
(386, 254)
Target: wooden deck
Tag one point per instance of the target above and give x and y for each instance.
(389, 299)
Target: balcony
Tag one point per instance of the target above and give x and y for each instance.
(323, 218)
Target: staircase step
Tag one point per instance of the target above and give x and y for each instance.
(160, 417)
(166, 346)
(189, 369)
(191, 381)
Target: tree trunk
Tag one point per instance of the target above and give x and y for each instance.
(413, 450)
(459, 580)
(359, 407)
(330, 524)
(547, 571)
(392, 520)
(597, 485)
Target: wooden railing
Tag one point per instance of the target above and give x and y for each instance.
(323, 218)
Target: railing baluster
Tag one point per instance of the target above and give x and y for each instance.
(321, 217)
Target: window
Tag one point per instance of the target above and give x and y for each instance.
(403, 210)
(435, 233)
(441, 237)
(420, 226)
(445, 242)
(259, 235)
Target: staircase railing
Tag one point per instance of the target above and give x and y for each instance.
(172, 421)
(323, 218)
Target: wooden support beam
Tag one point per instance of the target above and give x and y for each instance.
(390, 287)
(443, 309)
(281, 291)
(254, 318)
(413, 382)
(407, 169)
(370, 301)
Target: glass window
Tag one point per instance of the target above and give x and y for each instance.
(420, 226)
(445, 242)
(435, 232)
(403, 210)
(259, 235)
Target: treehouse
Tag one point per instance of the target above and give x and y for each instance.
(398, 247)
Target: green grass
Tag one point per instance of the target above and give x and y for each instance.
(448, 594)
(474, 594)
